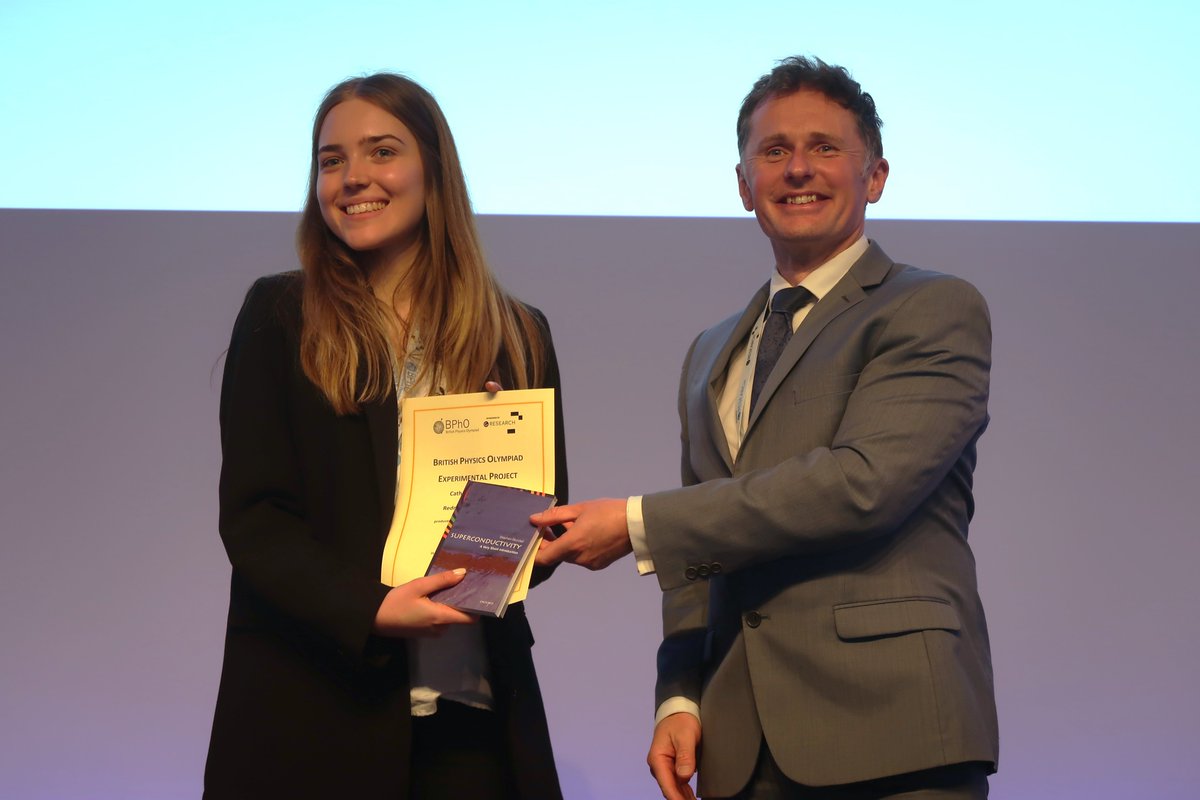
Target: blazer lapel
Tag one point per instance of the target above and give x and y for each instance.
(384, 428)
(869, 271)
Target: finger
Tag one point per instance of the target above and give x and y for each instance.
(547, 534)
(664, 775)
(555, 516)
(445, 615)
(549, 553)
(492, 387)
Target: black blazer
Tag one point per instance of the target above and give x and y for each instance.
(311, 704)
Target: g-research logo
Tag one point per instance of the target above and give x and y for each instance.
(451, 425)
(509, 422)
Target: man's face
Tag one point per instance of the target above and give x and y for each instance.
(806, 175)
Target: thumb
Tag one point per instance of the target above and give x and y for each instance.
(547, 554)
(685, 759)
(432, 583)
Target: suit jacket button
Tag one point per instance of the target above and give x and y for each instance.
(715, 568)
(690, 573)
(703, 570)
(753, 619)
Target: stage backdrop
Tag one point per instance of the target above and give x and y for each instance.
(113, 583)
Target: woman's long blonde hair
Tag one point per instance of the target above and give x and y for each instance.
(463, 317)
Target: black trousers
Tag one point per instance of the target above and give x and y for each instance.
(460, 752)
(954, 782)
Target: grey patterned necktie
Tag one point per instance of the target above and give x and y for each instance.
(776, 333)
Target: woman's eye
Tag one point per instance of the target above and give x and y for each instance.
(385, 152)
(330, 161)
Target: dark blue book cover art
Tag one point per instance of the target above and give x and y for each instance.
(489, 535)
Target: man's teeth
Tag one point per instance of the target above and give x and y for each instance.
(800, 200)
(359, 208)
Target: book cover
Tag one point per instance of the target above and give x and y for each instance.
(489, 535)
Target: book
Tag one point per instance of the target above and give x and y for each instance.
(490, 536)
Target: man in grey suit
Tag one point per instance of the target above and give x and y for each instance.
(823, 634)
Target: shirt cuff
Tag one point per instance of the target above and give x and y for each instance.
(637, 535)
(674, 705)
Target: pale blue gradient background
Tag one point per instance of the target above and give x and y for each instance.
(1024, 110)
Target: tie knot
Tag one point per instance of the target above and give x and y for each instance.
(788, 300)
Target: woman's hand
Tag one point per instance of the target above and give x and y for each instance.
(408, 611)
(491, 387)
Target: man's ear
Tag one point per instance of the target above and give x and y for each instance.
(876, 178)
(744, 187)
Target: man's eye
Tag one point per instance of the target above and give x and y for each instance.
(774, 153)
(825, 149)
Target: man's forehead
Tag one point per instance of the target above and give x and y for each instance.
(807, 112)
(800, 104)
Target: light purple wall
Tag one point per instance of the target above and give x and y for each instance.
(113, 581)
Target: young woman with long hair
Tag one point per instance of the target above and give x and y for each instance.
(334, 684)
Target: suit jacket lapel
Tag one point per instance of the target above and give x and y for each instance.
(869, 271)
(720, 366)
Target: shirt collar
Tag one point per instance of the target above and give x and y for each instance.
(822, 279)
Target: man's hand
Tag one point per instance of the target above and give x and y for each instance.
(672, 756)
(597, 534)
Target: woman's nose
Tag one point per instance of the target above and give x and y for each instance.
(355, 175)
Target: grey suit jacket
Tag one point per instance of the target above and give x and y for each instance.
(819, 590)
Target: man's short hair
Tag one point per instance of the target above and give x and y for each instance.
(802, 73)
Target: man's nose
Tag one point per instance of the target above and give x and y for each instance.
(798, 166)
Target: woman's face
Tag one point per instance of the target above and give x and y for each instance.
(371, 182)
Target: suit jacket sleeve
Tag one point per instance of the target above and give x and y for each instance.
(917, 402)
(290, 570)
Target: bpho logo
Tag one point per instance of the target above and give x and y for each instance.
(443, 425)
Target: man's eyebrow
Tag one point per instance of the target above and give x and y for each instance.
(772, 139)
(810, 136)
(337, 148)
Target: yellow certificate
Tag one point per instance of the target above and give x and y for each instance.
(505, 438)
